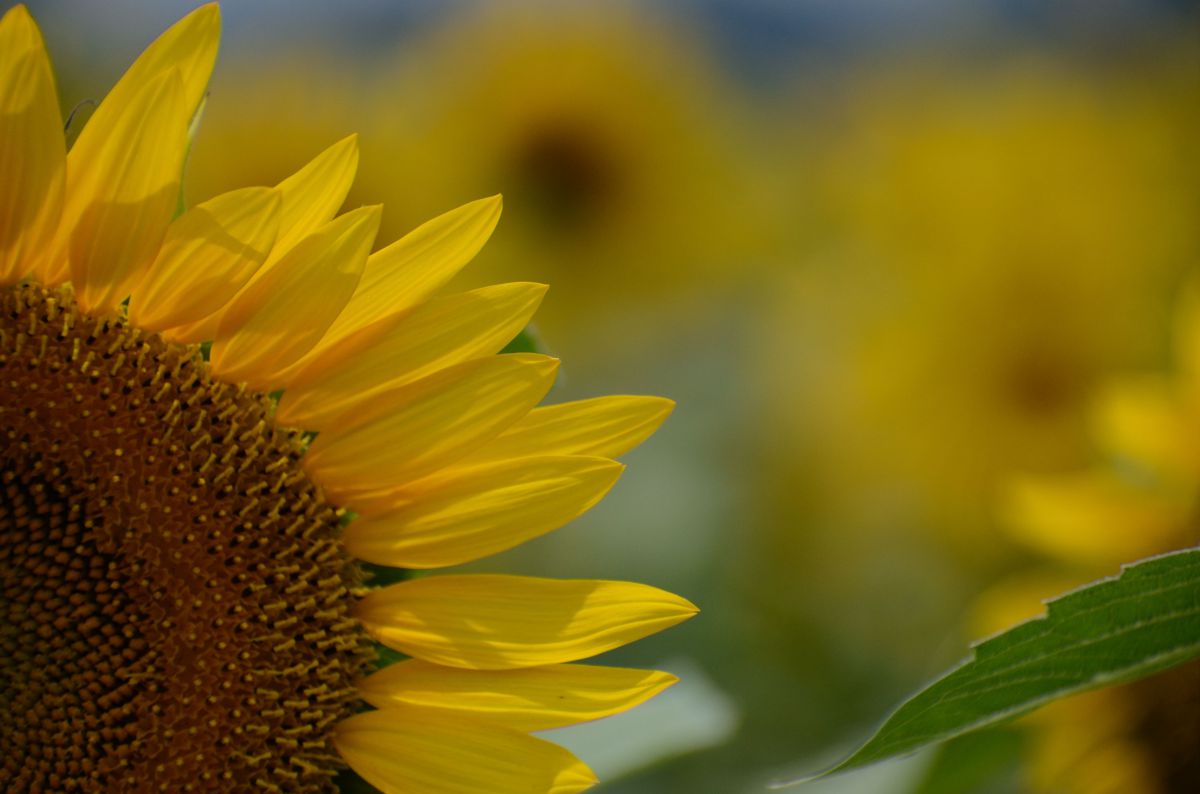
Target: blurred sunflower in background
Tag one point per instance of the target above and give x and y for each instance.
(986, 250)
(994, 246)
(986, 263)
(622, 154)
(1141, 499)
(187, 604)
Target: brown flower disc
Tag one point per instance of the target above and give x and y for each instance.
(174, 600)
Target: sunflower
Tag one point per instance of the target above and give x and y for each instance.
(185, 605)
(618, 144)
(1142, 500)
(987, 265)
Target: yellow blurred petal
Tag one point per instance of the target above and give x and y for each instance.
(1017, 599)
(412, 750)
(1187, 335)
(485, 511)
(1147, 420)
(1096, 518)
(209, 253)
(121, 198)
(309, 198)
(407, 271)
(603, 426)
(280, 316)
(407, 432)
(32, 151)
(529, 699)
(494, 622)
(188, 50)
(1084, 745)
(444, 331)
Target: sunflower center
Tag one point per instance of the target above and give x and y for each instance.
(174, 601)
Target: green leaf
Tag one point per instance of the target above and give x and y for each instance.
(1109, 632)
(528, 341)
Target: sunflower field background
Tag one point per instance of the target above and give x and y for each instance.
(920, 276)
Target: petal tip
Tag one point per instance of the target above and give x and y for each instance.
(204, 20)
(209, 11)
(575, 778)
(17, 14)
(683, 608)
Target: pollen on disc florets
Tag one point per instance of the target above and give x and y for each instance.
(174, 601)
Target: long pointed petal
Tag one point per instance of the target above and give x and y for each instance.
(408, 750)
(313, 195)
(485, 511)
(493, 622)
(530, 699)
(407, 271)
(188, 49)
(408, 432)
(32, 151)
(279, 317)
(309, 199)
(441, 332)
(604, 426)
(209, 253)
(121, 198)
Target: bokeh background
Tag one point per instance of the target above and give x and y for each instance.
(885, 255)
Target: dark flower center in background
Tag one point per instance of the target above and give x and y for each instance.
(1168, 724)
(568, 173)
(174, 601)
(1043, 385)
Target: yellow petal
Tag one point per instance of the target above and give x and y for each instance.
(494, 622)
(188, 50)
(486, 510)
(441, 332)
(1017, 598)
(279, 317)
(1095, 517)
(309, 198)
(407, 432)
(604, 426)
(189, 47)
(121, 198)
(1146, 420)
(407, 271)
(32, 151)
(209, 253)
(1186, 335)
(313, 195)
(408, 750)
(530, 699)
